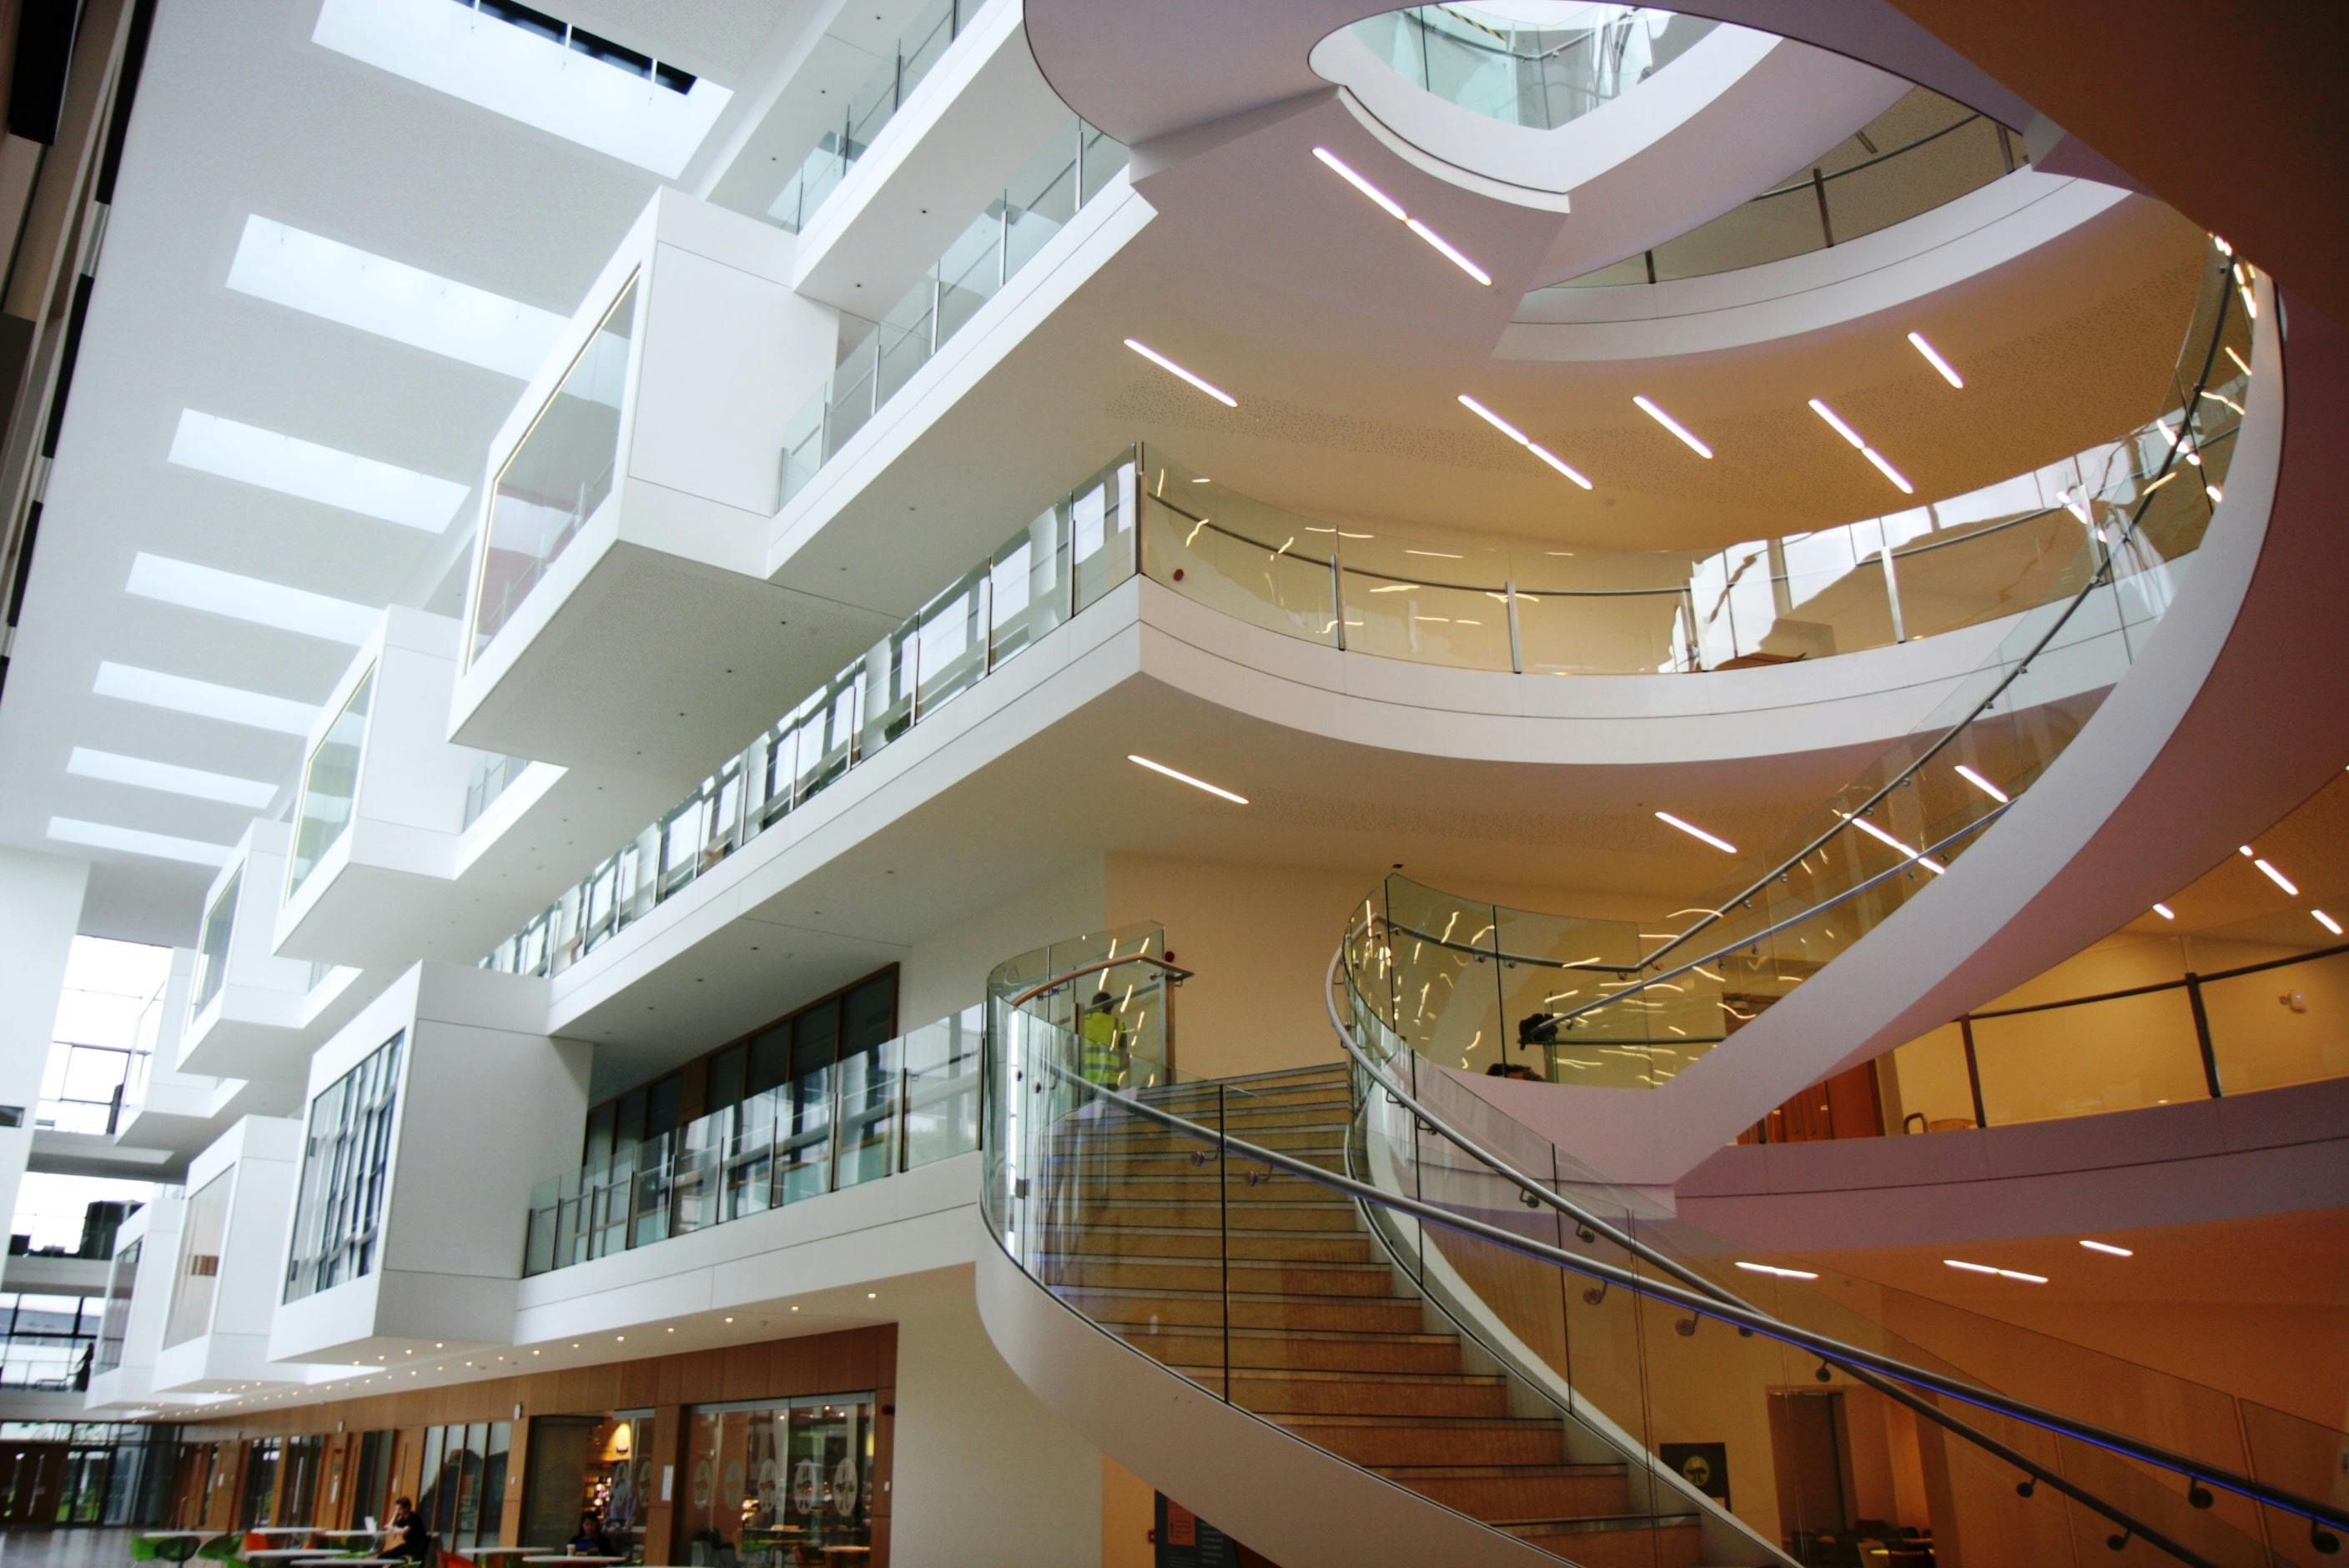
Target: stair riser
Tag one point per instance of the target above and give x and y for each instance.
(1213, 1244)
(1302, 1279)
(1366, 1354)
(1336, 1313)
(1098, 1170)
(1639, 1546)
(1153, 1140)
(1504, 1496)
(1211, 1217)
(1533, 1443)
(1276, 1396)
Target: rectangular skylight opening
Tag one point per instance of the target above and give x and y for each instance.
(134, 840)
(528, 66)
(356, 288)
(144, 773)
(204, 699)
(254, 599)
(290, 466)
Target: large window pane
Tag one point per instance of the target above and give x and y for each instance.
(212, 953)
(330, 783)
(204, 1230)
(344, 1163)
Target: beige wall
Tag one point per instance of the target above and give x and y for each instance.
(2134, 1051)
(947, 970)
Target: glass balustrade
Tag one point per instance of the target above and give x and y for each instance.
(902, 68)
(905, 1103)
(558, 474)
(488, 781)
(1076, 164)
(1922, 153)
(1523, 72)
(330, 786)
(2092, 547)
(1660, 1373)
(1630, 1003)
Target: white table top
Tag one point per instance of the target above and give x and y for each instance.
(180, 1534)
(350, 1535)
(285, 1553)
(577, 1562)
(511, 1551)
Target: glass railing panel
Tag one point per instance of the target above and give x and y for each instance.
(941, 1088)
(650, 1200)
(925, 39)
(885, 699)
(558, 474)
(970, 272)
(1523, 74)
(539, 1238)
(803, 449)
(1887, 191)
(850, 402)
(903, 341)
(803, 1131)
(1830, 592)
(750, 1153)
(696, 1176)
(1963, 579)
(2124, 1054)
(2265, 1032)
(951, 642)
(1561, 632)
(1428, 603)
(1027, 587)
(871, 1107)
(1102, 530)
(1043, 198)
(1102, 157)
(1767, 229)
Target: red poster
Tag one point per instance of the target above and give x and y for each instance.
(1181, 1526)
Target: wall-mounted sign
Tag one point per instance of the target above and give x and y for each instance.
(1187, 1541)
(1704, 1466)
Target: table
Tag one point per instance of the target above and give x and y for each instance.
(532, 1552)
(179, 1545)
(350, 1534)
(282, 1553)
(571, 1562)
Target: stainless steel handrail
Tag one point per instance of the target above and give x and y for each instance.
(1174, 972)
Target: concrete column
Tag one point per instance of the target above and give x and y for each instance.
(40, 909)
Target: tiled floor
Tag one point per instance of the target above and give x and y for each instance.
(29, 1548)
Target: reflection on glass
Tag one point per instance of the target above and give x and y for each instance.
(1519, 73)
(558, 475)
(330, 784)
(346, 1161)
(212, 951)
(203, 1230)
(776, 1482)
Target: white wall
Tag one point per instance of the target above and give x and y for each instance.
(40, 906)
(983, 1471)
(947, 970)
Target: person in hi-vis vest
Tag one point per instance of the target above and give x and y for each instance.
(1102, 1058)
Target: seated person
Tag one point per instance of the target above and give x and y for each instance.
(589, 1541)
(410, 1540)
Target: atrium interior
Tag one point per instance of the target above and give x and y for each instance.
(828, 782)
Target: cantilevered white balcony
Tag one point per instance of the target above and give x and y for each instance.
(245, 1017)
(429, 1117)
(130, 1335)
(409, 846)
(619, 570)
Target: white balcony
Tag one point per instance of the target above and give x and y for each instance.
(436, 1108)
(619, 572)
(146, 1253)
(250, 1004)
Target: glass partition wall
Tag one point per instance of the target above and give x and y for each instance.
(557, 474)
(780, 1480)
(330, 786)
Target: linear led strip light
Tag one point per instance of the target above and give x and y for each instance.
(1521, 439)
(1835, 421)
(1394, 209)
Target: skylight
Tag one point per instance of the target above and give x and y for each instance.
(323, 277)
(170, 778)
(184, 693)
(526, 65)
(254, 599)
(164, 846)
(293, 467)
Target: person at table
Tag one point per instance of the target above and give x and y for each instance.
(409, 1541)
(590, 1541)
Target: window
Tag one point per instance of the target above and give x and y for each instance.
(203, 1230)
(47, 1342)
(344, 1164)
(330, 786)
(212, 954)
(371, 1482)
(260, 1483)
(779, 1476)
(116, 1319)
(109, 1008)
(465, 1492)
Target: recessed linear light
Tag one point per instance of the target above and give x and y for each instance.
(1693, 832)
(2001, 1274)
(169, 777)
(1648, 407)
(1186, 779)
(1774, 1269)
(356, 288)
(1882, 837)
(1887, 471)
(1521, 439)
(247, 453)
(254, 599)
(132, 841)
(1160, 360)
(1933, 358)
(1394, 209)
(182, 694)
(1983, 784)
(2276, 877)
(1836, 419)
(2326, 920)
(2164, 911)
(2108, 1249)
(2241, 363)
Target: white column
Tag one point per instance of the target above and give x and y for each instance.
(40, 909)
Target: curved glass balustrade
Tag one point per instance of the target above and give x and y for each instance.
(1537, 74)
(1071, 168)
(330, 786)
(1923, 152)
(1661, 1374)
(1310, 1247)
(1628, 1004)
(905, 1103)
(874, 105)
